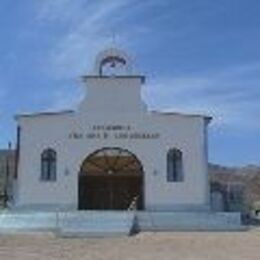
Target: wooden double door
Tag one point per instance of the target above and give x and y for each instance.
(109, 192)
(110, 178)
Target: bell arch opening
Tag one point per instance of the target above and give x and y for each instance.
(111, 179)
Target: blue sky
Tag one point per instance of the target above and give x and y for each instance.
(199, 56)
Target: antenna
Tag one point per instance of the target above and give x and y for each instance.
(113, 38)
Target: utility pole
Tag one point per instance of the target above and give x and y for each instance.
(7, 174)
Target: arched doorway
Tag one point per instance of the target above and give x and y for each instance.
(110, 178)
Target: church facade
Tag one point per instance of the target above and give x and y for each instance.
(112, 153)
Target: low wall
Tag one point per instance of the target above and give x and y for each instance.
(143, 221)
(190, 221)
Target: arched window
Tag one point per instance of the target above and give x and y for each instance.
(48, 165)
(174, 165)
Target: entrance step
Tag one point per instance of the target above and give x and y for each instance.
(95, 223)
(115, 223)
(28, 221)
(189, 221)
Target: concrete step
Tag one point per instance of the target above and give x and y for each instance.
(95, 223)
(27, 221)
(108, 223)
(189, 221)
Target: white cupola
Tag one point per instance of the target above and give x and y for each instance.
(113, 62)
(112, 86)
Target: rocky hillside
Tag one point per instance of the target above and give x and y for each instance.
(249, 176)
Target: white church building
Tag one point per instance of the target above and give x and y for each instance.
(112, 153)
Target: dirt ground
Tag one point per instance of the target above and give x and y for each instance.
(159, 246)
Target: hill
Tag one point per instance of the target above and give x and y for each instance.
(248, 177)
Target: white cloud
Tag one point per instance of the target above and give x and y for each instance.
(89, 26)
(230, 95)
(56, 10)
(62, 100)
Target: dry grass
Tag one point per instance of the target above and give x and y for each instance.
(159, 246)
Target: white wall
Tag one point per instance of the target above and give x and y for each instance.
(102, 107)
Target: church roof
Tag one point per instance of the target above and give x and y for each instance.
(142, 77)
(209, 118)
(206, 117)
(44, 114)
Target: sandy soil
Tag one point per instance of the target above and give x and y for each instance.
(159, 246)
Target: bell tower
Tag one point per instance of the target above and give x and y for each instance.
(113, 87)
(113, 62)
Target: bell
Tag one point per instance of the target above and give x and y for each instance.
(113, 64)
